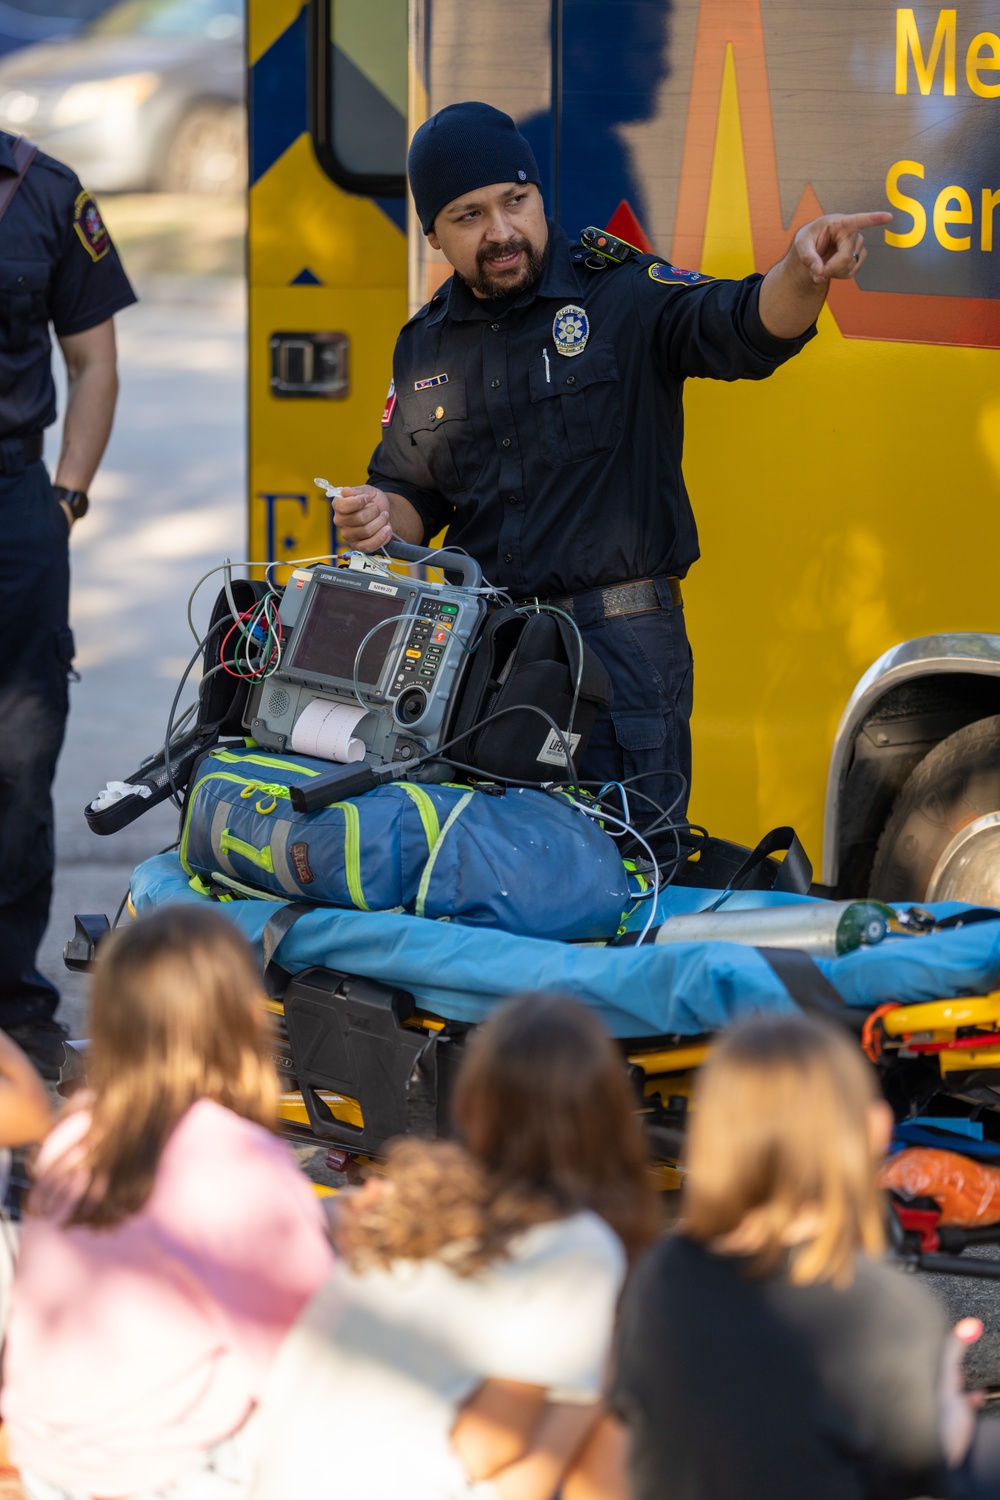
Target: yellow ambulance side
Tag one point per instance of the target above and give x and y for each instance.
(355, 260)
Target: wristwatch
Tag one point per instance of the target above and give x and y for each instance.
(77, 500)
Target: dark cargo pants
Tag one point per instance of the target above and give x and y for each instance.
(36, 652)
(647, 729)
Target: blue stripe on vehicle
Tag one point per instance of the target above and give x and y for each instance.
(278, 97)
(395, 209)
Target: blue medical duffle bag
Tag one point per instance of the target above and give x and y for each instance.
(520, 860)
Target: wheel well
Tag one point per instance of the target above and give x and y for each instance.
(171, 124)
(900, 729)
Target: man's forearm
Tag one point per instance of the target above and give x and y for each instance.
(90, 409)
(790, 301)
(405, 521)
(831, 248)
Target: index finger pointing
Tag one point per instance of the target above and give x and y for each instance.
(853, 223)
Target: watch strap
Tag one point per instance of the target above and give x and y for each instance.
(77, 500)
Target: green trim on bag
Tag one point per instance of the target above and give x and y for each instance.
(352, 854)
(250, 892)
(425, 879)
(264, 786)
(259, 760)
(427, 810)
(262, 858)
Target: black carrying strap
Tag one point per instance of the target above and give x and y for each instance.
(595, 686)
(794, 873)
(512, 638)
(24, 154)
(422, 1091)
(809, 987)
(967, 918)
(278, 926)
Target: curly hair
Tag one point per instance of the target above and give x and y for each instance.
(548, 1126)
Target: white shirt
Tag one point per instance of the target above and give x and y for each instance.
(367, 1385)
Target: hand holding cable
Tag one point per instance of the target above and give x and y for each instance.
(367, 518)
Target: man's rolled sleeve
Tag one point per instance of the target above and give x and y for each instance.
(397, 465)
(713, 329)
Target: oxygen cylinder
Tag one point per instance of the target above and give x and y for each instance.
(824, 929)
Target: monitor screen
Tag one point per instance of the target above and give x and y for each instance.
(337, 621)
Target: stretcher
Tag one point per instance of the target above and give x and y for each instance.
(372, 1008)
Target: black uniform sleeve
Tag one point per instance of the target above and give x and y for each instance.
(89, 284)
(398, 465)
(709, 328)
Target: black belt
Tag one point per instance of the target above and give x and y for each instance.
(17, 453)
(625, 598)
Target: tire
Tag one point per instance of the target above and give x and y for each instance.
(956, 783)
(208, 152)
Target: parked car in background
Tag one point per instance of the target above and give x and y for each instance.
(149, 96)
(23, 22)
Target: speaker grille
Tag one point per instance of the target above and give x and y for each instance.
(278, 703)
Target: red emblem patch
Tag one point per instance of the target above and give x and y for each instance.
(390, 404)
(90, 228)
(676, 275)
(300, 859)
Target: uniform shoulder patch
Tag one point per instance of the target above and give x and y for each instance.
(675, 276)
(390, 404)
(89, 226)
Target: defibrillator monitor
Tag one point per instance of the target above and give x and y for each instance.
(372, 664)
(335, 640)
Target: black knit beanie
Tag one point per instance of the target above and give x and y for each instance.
(463, 147)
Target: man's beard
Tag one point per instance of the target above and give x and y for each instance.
(502, 284)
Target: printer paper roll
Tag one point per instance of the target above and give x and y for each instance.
(327, 730)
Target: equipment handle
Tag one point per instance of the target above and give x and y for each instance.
(447, 561)
(340, 782)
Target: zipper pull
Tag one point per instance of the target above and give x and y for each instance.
(548, 377)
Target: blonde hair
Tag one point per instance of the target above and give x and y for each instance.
(176, 1015)
(780, 1131)
(548, 1123)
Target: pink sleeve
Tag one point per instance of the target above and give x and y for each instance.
(256, 1238)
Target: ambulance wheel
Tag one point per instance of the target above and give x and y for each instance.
(942, 840)
(208, 152)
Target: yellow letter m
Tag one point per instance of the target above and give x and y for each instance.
(908, 43)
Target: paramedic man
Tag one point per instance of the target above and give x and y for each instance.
(57, 265)
(536, 411)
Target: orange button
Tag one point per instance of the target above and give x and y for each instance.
(439, 636)
(415, 654)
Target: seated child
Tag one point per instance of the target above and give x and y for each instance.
(465, 1333)
(765, 1352)
(170, 1241)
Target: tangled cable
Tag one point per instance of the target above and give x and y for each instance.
(256, 653)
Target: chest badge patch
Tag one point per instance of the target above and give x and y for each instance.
(390, 404)
(570, 330)
(89, 226)
(674, 276)
(432, 380)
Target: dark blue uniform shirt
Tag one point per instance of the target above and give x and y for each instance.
(561, 472)
(58, 266)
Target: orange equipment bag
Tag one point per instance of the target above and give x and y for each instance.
(967, 1192)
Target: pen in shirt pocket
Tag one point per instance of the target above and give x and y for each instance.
(548, 377)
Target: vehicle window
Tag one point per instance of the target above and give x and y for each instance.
(215, 19)
(361, 131)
